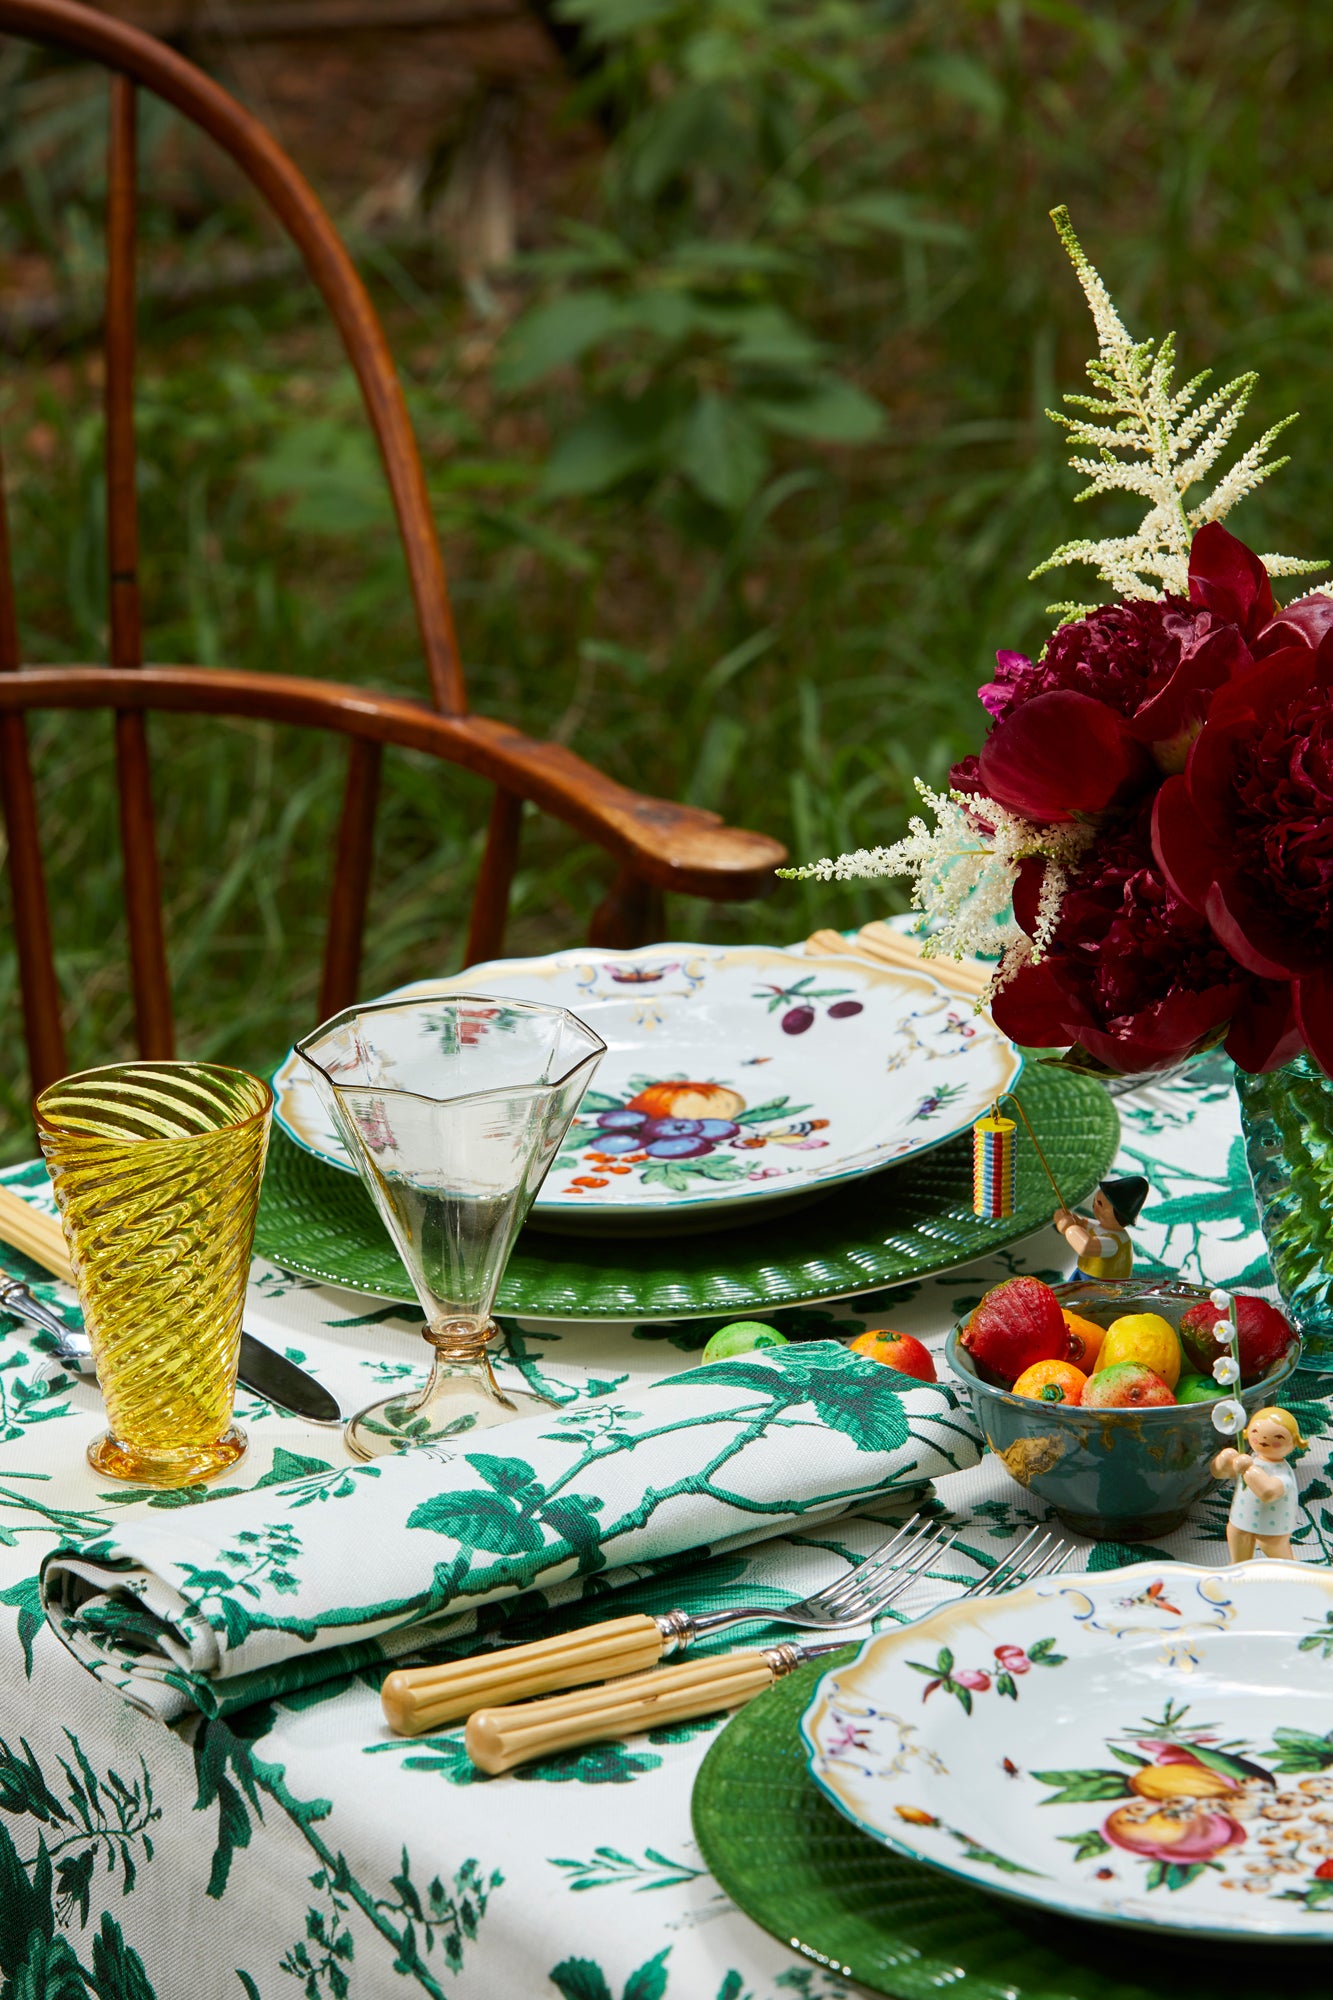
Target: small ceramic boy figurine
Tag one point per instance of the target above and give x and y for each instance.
(1264, 1509)
(1100, 1241)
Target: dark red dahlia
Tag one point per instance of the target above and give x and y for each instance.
(1245, 834)
(1133, 973)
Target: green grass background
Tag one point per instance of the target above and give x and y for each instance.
(783, 620)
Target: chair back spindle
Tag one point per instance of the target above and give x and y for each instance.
(351, 877)
(490, 899)
(149, 977)
(39, 993)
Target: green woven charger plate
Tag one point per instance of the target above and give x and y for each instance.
(903, 1223)
(793, 1863)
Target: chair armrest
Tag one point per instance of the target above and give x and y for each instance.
(678, 847)
(671, 846)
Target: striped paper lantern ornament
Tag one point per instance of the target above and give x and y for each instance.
(993, 1167)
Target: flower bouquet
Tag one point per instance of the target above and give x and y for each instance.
(1149, 820)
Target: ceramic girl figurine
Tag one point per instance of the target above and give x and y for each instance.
(1264, 1507)
(1100, 1241)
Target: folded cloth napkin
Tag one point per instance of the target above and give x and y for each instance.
(257, 1595)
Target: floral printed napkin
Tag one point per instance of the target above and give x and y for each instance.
(265, 1592)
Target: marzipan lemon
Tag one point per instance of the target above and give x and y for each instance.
(1146, 1338)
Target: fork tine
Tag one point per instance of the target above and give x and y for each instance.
(915, 1561)
(862, 1586)
(993, 1580)
(893, 1587)
(909, 1533)
(890, 1554)
(1048, 1565)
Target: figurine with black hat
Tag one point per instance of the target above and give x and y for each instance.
(1100, 1241)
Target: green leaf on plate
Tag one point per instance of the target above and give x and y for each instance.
(1083, 1787)
(1087, 1846)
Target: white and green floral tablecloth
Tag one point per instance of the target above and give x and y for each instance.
(295, 1848)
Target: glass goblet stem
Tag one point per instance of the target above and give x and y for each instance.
(459, 1395)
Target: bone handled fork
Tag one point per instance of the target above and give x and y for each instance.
(496, 1739)
(417, 1699)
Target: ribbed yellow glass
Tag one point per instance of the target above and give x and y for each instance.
(156, 1169)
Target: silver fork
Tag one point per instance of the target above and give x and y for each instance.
(885, 1574)
(1022, 1565)
(499, 1737)
(416, 1699)
(860, 1595)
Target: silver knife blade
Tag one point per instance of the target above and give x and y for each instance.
(269, 1374)
(284, 1384)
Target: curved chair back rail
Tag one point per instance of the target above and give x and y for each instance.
(659, 845)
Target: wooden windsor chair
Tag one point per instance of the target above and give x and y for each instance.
(656, 844)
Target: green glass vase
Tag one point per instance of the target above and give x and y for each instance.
(1287, 1120)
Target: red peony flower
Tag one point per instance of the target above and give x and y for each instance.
(1303, 623)
(1229, 580)
(1059, 757)
(1206, 911)
(1124, 655)
(1119, 696)
(1133, 973)
(1245, 837)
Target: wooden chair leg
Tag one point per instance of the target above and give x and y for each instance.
(631, 913)
(149, 975)
(27, 880)
(32, 922)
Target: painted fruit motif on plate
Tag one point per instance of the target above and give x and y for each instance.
(734, 1078)
(1151, 1746)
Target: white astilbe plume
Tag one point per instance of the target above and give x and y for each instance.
(963, 874)
(1153, 442)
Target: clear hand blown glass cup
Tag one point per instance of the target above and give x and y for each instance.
(452, 1110)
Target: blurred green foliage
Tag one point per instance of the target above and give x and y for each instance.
(736, 182)
(739, 491)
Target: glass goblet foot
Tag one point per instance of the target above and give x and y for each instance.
(460, 1395)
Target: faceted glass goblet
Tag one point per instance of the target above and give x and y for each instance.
(452, 1111)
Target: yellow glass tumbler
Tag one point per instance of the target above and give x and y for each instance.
(156, 1169)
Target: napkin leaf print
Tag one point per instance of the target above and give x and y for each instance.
(583, 1979)
(515, 1517)
(488, 1521)
(839, 1398)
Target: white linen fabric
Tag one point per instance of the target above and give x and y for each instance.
(293, 1849)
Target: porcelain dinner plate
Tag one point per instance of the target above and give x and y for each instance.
(1150, 1746)
(734, 1078)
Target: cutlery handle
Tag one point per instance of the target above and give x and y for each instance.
(497, 1739)
(416, 1699)
(885, 946)
(38, 1236)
